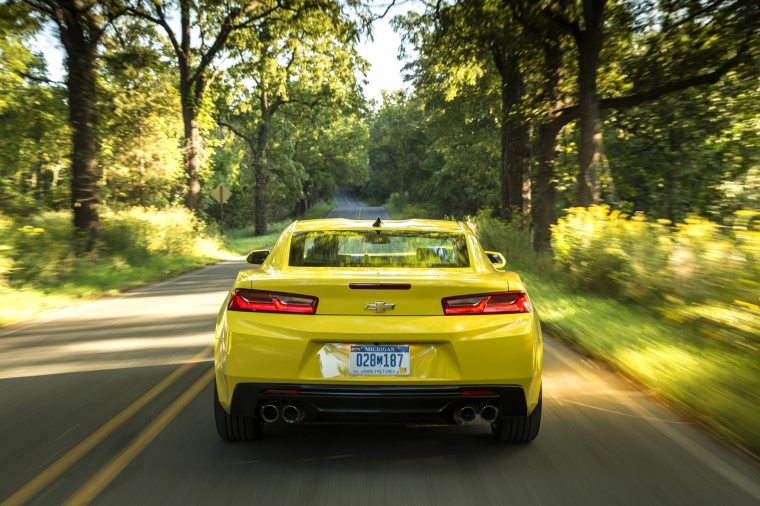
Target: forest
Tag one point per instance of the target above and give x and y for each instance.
(525, 108)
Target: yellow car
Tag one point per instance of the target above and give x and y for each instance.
(360, 321)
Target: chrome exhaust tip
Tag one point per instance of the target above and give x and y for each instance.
(270, 412)
(465, 414)
(489, 413)
(292, 413)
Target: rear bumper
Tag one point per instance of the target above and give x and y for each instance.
(372, 404)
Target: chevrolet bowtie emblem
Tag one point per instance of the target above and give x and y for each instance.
(380, 307)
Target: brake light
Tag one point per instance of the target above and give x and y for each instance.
(488, 303)
(263, 301)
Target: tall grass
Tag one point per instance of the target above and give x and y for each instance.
(137, 246)
(673, 306)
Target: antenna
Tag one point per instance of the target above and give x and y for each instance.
(378, 222)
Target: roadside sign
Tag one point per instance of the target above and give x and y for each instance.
(221, 194)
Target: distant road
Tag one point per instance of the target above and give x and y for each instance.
(350, 207)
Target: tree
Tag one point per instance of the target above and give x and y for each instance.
(470, 39)
(213, 23)
(305, 62)
(140, 131)
(36, 138)
(81, 25)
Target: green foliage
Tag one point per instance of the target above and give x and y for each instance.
(511, 239)
(39, 250)
(140, 128)
(138, 233)
(42, 249)
(684, 315)
(6, 262)
(645, 262)
(35, 137)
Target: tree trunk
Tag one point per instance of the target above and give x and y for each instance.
(515, 139)
(80, 44)
(545, 195)
(261, 170)
(545, 190)
(589, 43)
(191, 96)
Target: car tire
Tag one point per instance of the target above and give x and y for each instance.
(234, 427)
(519, 429)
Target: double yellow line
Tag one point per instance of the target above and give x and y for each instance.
(98, 482)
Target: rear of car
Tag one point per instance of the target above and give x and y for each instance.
(350, 321)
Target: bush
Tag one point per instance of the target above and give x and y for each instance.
(696, 273)
(694, 330)
(41, 249)
(6, 261)
(512, 239)
(137, 233)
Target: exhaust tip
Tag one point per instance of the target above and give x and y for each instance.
(292, 413)
(269, 412)
(489, 413)
(465, 414)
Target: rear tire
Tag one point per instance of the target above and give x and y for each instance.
(519, 429)
(234, 427)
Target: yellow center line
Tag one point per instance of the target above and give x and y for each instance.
(98, 482)
(46, 477)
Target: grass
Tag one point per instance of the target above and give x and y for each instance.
(110, 275)
(243, 241)
(716, 385)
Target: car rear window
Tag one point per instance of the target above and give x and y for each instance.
(378, 248)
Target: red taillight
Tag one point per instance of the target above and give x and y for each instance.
(477, 393)
(487, 303)
(271, 302)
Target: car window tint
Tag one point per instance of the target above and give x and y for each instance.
(379, 248)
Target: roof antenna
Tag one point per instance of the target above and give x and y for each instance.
(378, 222)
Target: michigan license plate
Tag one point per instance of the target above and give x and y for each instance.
(379, 360)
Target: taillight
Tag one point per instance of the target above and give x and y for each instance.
(271, 302)
(487, 303)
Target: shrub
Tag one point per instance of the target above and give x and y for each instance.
(6, 261)
(696, 273)
(41, 249)
(512, 239)
(137, 233)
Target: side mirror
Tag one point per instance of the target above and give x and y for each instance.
(497, 259)
(257, 257)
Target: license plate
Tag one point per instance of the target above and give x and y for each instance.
(379, 360)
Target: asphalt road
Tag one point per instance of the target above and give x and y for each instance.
(350, 207)
(111, 403)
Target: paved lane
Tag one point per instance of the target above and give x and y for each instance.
(111, 403)
(350, 207)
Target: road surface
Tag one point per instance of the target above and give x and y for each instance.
(111, 403)
(350, 207)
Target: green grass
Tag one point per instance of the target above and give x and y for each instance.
(393, 211)
(110, 275)
(243, 241)
(717, 385)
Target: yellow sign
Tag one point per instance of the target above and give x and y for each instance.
(221, 194)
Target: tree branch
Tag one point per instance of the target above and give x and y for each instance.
(568, 114)
(240, 134)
